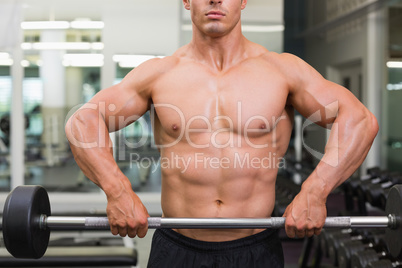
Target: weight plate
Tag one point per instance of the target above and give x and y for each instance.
(22, 236)
(380, 264)
(362, 258)
(393, 236)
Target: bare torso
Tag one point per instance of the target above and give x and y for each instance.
(223, 119)
(222, 136)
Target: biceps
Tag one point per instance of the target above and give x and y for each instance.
(322, 102)
(119, 106)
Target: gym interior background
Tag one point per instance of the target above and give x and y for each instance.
(55, 55)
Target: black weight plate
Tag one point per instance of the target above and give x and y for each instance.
(380, 264)
(393, 237)
(362, 258)
(22, 236)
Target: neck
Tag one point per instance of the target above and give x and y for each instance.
(219, 52)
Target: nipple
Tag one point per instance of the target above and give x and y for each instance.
(263, 126)
(175, 127)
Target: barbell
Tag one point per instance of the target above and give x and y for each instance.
(27, 222)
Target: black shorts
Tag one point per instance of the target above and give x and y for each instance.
(171, 249)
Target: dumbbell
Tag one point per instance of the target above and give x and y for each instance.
(375, 192)
(362, 188)
(335, 242)
(361, 259)
(374, 171)
(324, 237)
(348, 248)
(351, 184)
(384, 264)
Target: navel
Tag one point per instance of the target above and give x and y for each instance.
(219, 202)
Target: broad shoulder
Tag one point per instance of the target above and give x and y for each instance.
(282, 60)
(148, 72)
(296, 71)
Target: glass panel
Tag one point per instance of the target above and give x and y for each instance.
(50, 95)
(393, 93)
(5, 102)
(49, 161)
(136, 154)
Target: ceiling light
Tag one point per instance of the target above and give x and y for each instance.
(26, 46)
(44, 25)
(97, 46)
(83, 60)
(6, 62)
(87, 24)
(5, 59)
(4, 55)
(62, 46)
(25, 63)
(394, 64)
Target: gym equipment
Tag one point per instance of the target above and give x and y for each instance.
(27, 222)
(325, 235)
(362, 188)
(361, 259)
(5, 123)
(334, 242)
(348, 248)
(351, 184)
(80, 250)
(350, 187)
(384, 264)
(340, 253)
(375, 193)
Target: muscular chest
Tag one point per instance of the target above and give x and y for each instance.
(242, 100)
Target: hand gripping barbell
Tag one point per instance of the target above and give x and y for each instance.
(27, 222)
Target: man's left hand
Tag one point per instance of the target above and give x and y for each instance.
(306, 215)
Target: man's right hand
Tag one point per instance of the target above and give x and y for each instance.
(127, 215)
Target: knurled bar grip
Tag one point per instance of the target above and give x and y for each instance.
(102, 223)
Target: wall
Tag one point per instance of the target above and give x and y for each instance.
(140, 28)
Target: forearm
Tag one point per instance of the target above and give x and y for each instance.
(349, 142)
(92, 148)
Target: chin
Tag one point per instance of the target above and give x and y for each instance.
(215, 31)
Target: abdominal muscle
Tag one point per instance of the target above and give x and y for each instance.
(217, 184)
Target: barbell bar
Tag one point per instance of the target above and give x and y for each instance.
(102, 223)
(27, 222)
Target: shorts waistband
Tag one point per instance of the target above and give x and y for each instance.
(194, 244)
